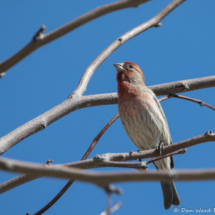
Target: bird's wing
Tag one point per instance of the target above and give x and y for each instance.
(161, 110)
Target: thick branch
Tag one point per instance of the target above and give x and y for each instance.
(102, 160)
(104, 178)
(183, 86)
(154, 22)
(40, 39)
(19, 180)
(76, 103)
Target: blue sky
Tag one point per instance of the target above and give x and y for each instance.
(182, 48)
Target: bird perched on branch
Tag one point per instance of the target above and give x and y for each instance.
(144, 121)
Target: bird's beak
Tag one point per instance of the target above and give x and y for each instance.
(119, 67)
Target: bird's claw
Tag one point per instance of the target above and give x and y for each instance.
(160, 148)
(139, 158)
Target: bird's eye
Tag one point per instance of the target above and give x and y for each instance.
(131, 66)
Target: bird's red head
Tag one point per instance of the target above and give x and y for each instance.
(129, 73)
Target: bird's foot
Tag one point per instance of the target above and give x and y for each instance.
(160, 148)
(139, 158)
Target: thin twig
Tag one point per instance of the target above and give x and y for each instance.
(39, 41)
(113, 209)
(201, 103)
(70, 182)
(102, 160)
(179, 152)
(96, 139)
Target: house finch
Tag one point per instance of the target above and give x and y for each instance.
(144, 121)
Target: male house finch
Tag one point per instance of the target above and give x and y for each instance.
(144, 121)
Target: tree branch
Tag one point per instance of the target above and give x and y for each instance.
(141, 165)
(97, 138)
(153, 22)
(102, 160)
(201, 103)
(40, 39)
(76, 103)
(70, 182)
(102, 179)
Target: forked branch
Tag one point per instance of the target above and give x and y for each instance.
(40, 39)
(77, 102)
(105, 159)
(153, 22)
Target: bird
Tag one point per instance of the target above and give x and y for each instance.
(144, 121)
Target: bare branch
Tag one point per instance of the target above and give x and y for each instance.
(188, 99)
(140, 165)
(105, 160)
(15, 182)
(19, 180)
(207, 137)
(97, 138)
(40, 39)
(153, 22)
(102, 179)
(179, 152)
(76, 103)
(183, 86)
(70, 182)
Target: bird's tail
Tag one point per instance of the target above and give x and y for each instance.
(170, 195)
